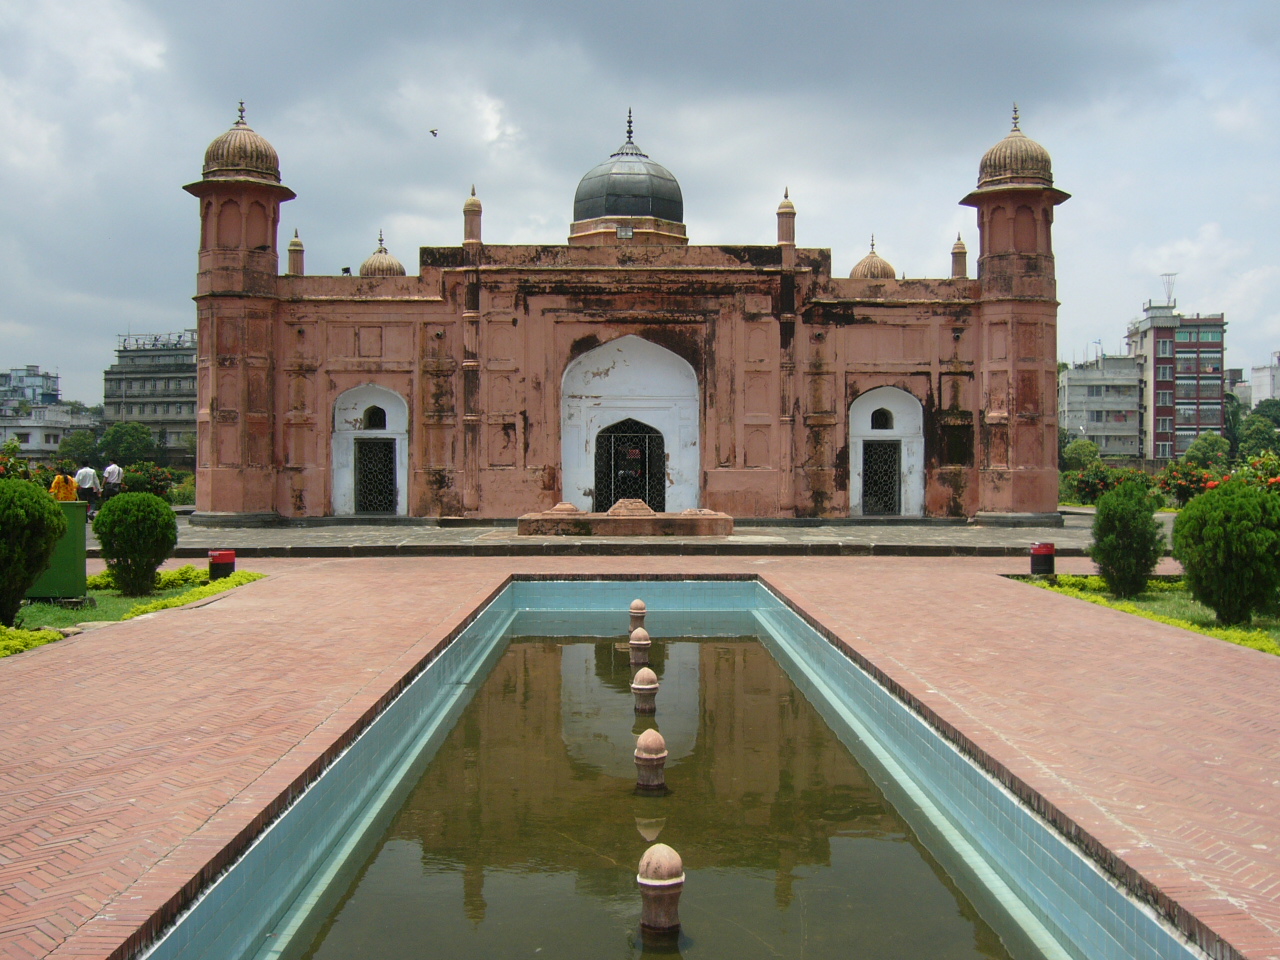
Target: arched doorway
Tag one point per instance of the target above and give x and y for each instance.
(370, 452)
(631, 463)
(886, 454)
(630, 379)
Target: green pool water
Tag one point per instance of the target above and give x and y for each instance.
(522, 836)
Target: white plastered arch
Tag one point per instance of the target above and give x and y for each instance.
(908, 427)
(348, 426)
(630, 377)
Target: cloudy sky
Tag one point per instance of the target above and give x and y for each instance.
(1160, 117)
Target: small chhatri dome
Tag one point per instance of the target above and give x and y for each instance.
(1015, 159)
(472, 204)
(629, 184)
(651, 744)
(381, 263)
(786, 206)
(296, 242)
(873, 266)
(240, 152)
(661, 863)
(958, 246)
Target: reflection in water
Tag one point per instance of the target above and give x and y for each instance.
(523, 835)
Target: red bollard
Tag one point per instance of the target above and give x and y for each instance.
(1041, 558)
(222, 563)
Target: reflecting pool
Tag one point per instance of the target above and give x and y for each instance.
(522, 835)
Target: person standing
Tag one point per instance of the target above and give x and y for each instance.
(87, 487)
(112, 477)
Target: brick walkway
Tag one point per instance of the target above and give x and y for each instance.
(136, 754)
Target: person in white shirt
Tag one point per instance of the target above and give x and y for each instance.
(87, 487)
(112, 477)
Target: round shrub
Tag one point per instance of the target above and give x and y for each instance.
(1127, 539)
(137, 532)
(1228, 541)
(1079, 453)
(32, 524)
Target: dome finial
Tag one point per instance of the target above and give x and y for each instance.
(1015, 116)
(381, 246)
(473, 189)
(873, 243)
(629, 140)
(241, 122)
(786, 193)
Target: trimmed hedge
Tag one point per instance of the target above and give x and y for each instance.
(137, 532)
(237, 579)
(165, 579)
(18, 641)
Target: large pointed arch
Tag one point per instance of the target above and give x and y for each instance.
(630, 378)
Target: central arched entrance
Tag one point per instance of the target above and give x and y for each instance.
(631, 463)
(370, 452)
(886, 454)
(630, 388)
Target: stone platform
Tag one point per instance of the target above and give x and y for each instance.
(626, 518)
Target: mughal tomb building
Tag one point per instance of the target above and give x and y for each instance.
(495, 380)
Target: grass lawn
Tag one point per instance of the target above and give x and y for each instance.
(1170, 602)
(110, 606)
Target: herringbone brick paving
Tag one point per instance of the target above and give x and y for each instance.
(135, 754)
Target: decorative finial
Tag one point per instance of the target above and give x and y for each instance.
(473, 189)
(381, 246)
(240, 122)
(957, 236)
(786, 193)
(628, 125)
(1015, 116)
(873, 243)
(295, 233)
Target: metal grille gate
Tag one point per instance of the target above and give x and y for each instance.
(375, 476)
(881, 486)
(631, 463)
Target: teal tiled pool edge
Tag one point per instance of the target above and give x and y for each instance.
(1007, 835)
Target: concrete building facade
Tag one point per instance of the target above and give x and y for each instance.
(1265, 381)
(153, 382)
(1098, 401)
(494, 380)
(32, 413)
(1182, 380)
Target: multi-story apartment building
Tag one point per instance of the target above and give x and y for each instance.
(153, 382)
(25, 387)
(1182, 381)
(1098, 401)
(1265, 380)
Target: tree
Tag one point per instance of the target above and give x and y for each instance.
(127, 443)
(137, 532)
(1079, 453)
(1232, 416)
(80, 447)
(1228, 542)
(1269, 409)
(1257, 436)
(1127, 539)
(1208, 451)
(33, 524)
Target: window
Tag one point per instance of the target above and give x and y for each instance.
(1096, 416)
(1184, 440)
(166, 408)
(1186, 414)
(375, 418)
(128, 409)
(1185, 336)
(1164, 424)
(1212, 389)
(1211, 361)
(1186, 361)
(1210, 336)
(1164, 348)
(1093, 391)
(1164, 398)
(1164, 371)
(50, 438)
(1164, 451)
(1210, 415)
(1186, 389)
(23, 437)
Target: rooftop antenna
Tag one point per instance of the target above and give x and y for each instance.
(1167, 279)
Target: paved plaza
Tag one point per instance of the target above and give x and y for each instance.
(833, 539)
(139, 758)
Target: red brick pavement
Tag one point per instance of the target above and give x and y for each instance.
(136, 756)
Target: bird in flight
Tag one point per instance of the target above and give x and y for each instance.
(435, 132)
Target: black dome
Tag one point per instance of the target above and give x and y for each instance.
(629, 184)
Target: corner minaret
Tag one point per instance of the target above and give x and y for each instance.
(787, 230)
(297, 255)
(1018, 307)
(236, 288)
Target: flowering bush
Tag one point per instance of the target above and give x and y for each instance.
(1182, 480)
(1097, 478)
(146, 477)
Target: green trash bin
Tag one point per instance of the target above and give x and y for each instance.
(65, 578)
